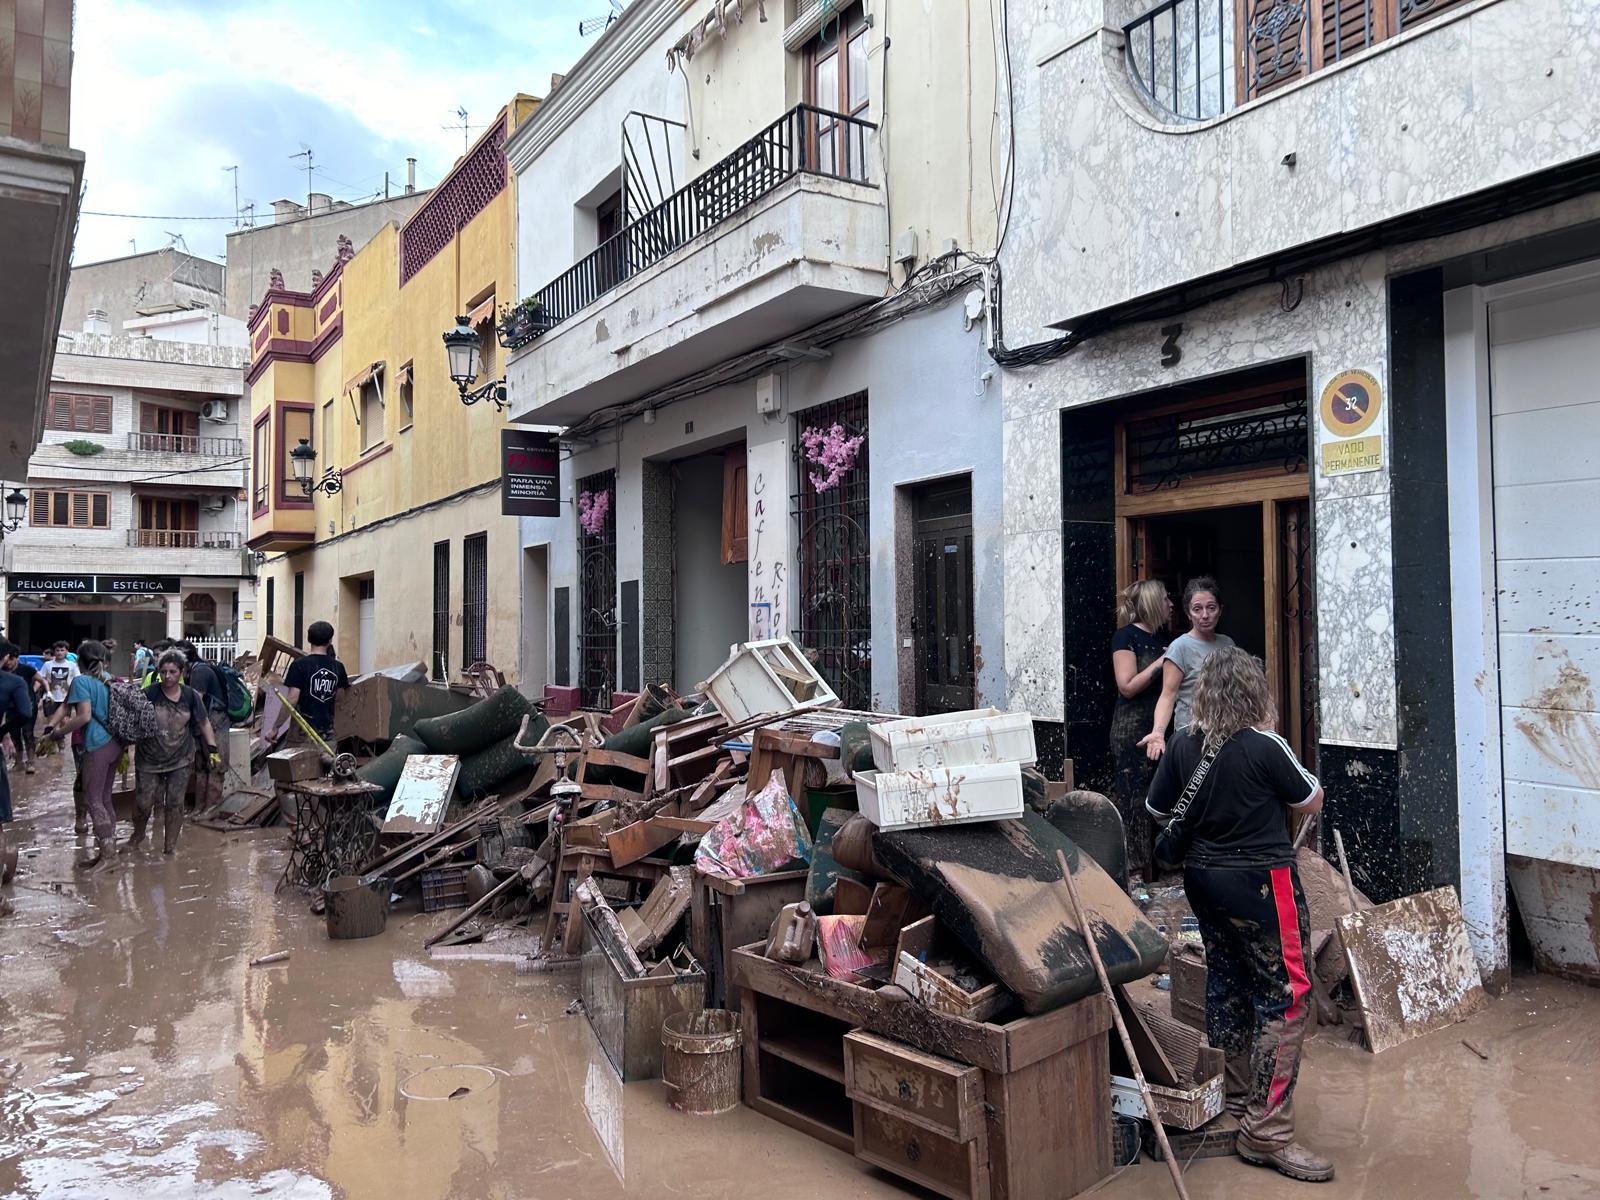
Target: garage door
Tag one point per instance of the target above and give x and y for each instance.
(1545, 380)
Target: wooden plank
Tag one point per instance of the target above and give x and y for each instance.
(639, 840)
(682, 825)
(608, 929)
(1153, 1058)
(1050, 1123)
(926, 1089)
(940, 1164)
(1411, 966)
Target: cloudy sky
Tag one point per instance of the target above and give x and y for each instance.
(168, 93)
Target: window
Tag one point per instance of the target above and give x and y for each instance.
(164, 522)
(71, 510)
(271, 604)
(474, 599)
(837, 83)
(404, 385)
(327, 431)
(296, 425)
(79, 414)
(299, 607)
(371, 413)
(261, 462)
(165, 429)
(441, 609)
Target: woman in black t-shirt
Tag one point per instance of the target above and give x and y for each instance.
(1143, 610)
(1240, 880)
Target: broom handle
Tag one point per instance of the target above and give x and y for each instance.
(1122, 1029)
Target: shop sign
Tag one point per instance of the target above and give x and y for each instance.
(1352, 455)
(52, 583)
(117, 585)
(530, 478)
(87, 585)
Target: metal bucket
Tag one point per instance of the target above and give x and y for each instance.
(700, 1060)
(357, 905)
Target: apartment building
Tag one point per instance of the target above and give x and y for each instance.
(746, 245)
(134, 522)
(40, 179)
(1303, 299)
(392, 527)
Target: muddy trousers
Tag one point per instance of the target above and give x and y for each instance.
(162, 790)
(99, 777)
(1258, 991)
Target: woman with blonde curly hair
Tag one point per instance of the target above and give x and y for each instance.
(1137, 649)
(1223, 793)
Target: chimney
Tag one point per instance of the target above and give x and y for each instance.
(411, 175)
(321, 202)
(286, 210)
(97, 320)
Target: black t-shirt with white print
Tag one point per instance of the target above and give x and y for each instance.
(319, 677)
(1239, 816)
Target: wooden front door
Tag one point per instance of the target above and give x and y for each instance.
(941, 624)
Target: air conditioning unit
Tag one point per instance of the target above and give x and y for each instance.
(213, 504)
(214, 410)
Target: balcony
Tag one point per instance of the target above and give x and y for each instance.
(186, 539)
(187, 444)
(786, 231)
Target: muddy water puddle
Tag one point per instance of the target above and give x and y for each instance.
(141, 1058)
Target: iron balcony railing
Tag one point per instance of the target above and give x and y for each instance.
(183, 443)
(804, 141)
(1181, 56)
(185, 539)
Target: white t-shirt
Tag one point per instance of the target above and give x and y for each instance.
(58, 677)
(1188, 652)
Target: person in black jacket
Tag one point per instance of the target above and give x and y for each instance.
(15, 706)
(1239, 876)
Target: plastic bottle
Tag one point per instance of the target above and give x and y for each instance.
(793, 934)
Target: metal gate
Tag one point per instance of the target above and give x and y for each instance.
(441, 610)
(597, 593)
(474, 599)
(834, 556)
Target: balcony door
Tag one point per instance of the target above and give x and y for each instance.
(164, 522)
(837, 83)
(167, 429)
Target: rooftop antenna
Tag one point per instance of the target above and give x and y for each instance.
(461, 116)
(175, 240)
(133, 245)
(248, 214)
(305, 153)
(593, 24)
(235, 170)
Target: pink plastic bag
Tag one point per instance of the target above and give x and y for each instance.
(764, 835)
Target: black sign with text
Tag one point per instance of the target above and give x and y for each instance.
(89, 585)
(530, 479)
(117, 585)
(70, 584)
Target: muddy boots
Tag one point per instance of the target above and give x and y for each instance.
(140, 821)
(171, 827)
(1293, 1160)
(80, 812)
(106, 858)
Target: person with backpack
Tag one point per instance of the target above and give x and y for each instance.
(143, 662)
(166, 757)
(205, 679)
(19, 728)
(88, 707)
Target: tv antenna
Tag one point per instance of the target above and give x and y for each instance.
(461, 115)
(305, 153)
(593, 24)
(175, 241)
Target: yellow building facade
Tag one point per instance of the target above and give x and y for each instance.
(410, 558)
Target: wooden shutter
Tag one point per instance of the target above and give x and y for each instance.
(191, 424)
(189, 518)
(80, 510)
(1276, 44)
(1345, 26)
(101, 414)
(60, 412)
(147, 418)
(60, 503)
(41, 507)
(100, 510)
(735, 503)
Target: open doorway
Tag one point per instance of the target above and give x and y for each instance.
(1224, 543)
(710, 593)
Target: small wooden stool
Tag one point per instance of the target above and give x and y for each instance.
(585, 862)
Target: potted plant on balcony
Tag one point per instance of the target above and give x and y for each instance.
(521, 322)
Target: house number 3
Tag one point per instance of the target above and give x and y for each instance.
(1171, 356)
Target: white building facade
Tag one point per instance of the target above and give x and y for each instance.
(135, 520)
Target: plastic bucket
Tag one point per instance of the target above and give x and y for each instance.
(357, 905)
(700, 1061)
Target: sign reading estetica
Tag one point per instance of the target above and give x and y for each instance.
(112, 585)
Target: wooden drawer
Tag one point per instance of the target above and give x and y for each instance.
(925, 1090)
(941, 1164)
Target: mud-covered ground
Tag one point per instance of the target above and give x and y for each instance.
(140, 1056)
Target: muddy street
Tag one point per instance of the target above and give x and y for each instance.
(140, 1055)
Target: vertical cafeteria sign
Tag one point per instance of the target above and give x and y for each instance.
(529, 475)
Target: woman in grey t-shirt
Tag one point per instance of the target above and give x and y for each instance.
(1202, 602)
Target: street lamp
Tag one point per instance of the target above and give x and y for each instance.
(303, 458)
(463, 347)
(16, 509)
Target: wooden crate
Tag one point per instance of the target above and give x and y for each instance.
(626, 1014)
(770, 677)
(1047, 1123)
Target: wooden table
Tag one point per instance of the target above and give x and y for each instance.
(1019, 1110)
(332, 832)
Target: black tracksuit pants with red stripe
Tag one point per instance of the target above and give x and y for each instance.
(1258, 989)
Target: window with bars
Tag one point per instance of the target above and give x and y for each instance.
(271, 605)
(834, 553)
(71, 510)
(299, 607)
(79, 414)
(597, 588)
(474, 599)
(441, 610)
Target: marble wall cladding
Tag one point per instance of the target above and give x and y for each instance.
(1033, 634)
(1111, 202)
(1355, 621)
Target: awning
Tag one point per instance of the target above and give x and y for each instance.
(402, 376)
(355, 382)
(714, 22)
(483, 312)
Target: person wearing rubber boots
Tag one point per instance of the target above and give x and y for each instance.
(1223, 793)
(166, 758)
(86, 708)
(15, 706)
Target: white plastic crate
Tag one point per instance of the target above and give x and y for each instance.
(940, 795)
(768, 677)
(979, 735)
